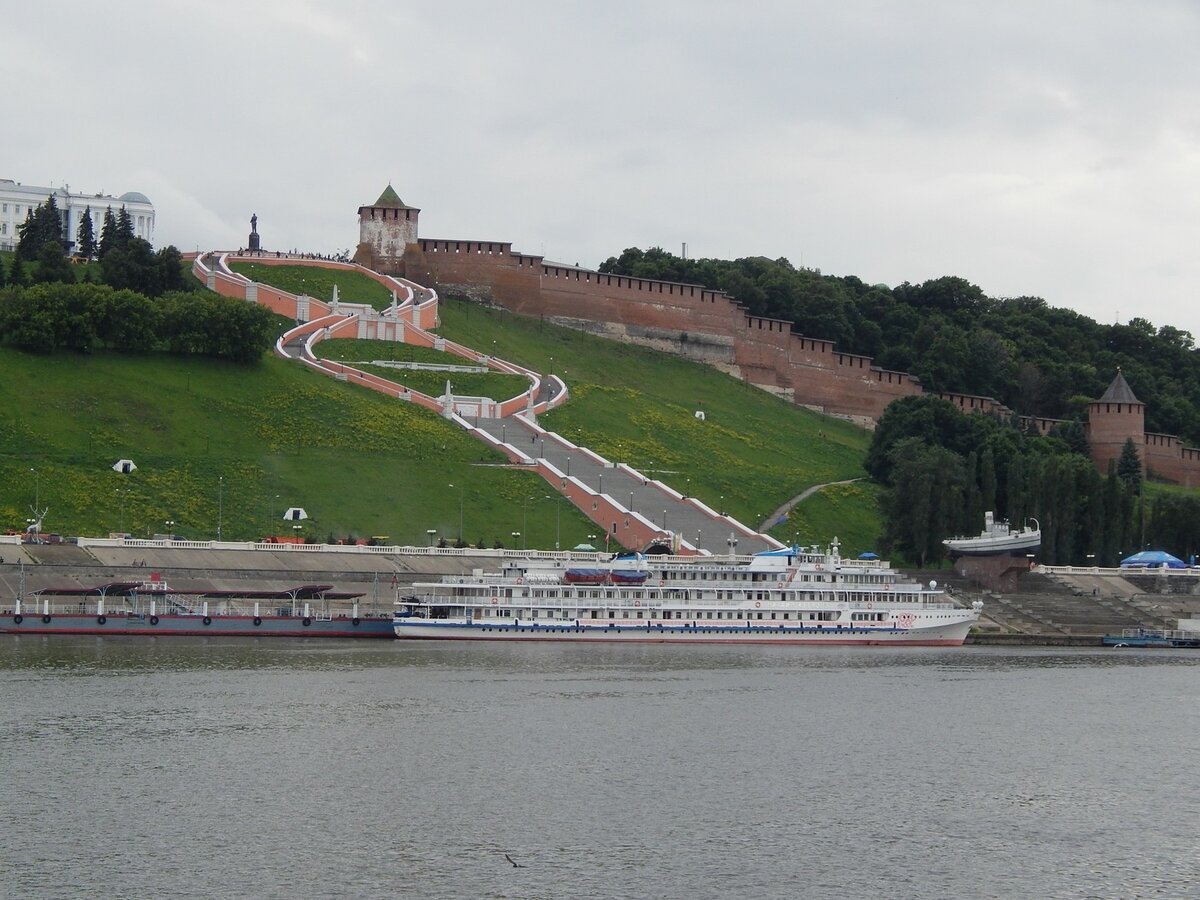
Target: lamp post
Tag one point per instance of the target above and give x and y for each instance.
(557, 519)
(631, 501)
(600, 490)
(431, 532)
(220, 503)
(461, 489)
(170, 523)
(515, 535)
(37, 487)
(296, 530)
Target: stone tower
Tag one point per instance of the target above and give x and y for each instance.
(1113, 419)
(385, 228)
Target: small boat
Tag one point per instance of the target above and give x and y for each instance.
(1153, 637)
(998, 538)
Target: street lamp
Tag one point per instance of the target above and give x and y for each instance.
(220, 503)
(37, 487)
(600, 490)
(515, 535)
(431, 532)
(631, 501)
(557, 519)
(170, 523)
(296, 530)
(461, 488)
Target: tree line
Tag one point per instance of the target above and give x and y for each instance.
(126, 261)
(86, 318)
(943, 469)
(1034, 358)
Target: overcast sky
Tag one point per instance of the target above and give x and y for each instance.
(1043, 148)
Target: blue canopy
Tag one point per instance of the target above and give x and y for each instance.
(1153, 559)
(868, 555)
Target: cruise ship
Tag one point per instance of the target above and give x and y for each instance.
(794, 595)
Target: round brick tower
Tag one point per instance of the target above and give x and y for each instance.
(385, 228)
(1112, 420)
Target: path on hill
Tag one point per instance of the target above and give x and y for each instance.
(803, 495)
(624, 504)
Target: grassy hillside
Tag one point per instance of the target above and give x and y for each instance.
(217, 442)
(234, 445)
(752, 452)
(316, 282)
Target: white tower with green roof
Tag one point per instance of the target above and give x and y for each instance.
(385, 228)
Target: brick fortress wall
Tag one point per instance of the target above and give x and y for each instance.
(711, 327)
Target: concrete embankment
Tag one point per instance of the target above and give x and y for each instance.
(984, 638)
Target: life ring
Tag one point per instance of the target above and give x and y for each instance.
(18, 619)
(355, 621)
(637, 602)
(870, 605)
(757, 605)
(154, 620)
(520, 580)
(207, 620)
(45, 620)
(494, 601)
(257, 620)
(306, 621)
(661, 582)
(100, 620)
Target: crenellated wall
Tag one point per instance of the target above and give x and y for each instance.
(711, 327)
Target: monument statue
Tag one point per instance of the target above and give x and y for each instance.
(254, 239)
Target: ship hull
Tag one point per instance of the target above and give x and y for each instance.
(195, 626)
(948, 635)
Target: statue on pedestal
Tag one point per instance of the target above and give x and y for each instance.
(254, 238)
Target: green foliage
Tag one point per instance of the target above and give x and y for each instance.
(42, 225)
(942, 470)
(85, 236)
(108, 234)
(1129, 466)
(85, 317)
(1034, 358)
(3, 275)
(53, 265)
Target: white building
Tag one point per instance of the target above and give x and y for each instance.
(16, 200)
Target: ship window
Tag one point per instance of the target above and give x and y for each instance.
(710, 614)
(760, 615)
(772, 615)
(639, 612)
(595, 614)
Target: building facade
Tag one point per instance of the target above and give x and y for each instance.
(17, 200)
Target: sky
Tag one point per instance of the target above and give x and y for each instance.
(1034, 148)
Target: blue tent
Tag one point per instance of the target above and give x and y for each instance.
(868, 555)
(1153, 559)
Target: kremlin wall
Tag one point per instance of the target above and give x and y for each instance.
(711, 327)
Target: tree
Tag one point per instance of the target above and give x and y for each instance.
(133, 266)
(1129, 466)
(1, 271)
(53, 265)
(42, 224)
(108, 234)
(16, 273)
(85, 237)
(124, 228)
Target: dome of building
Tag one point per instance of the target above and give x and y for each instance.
(134, 197)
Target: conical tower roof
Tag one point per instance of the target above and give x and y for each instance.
(389, 199)
(1119, 392)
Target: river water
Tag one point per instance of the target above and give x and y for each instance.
(180, 767)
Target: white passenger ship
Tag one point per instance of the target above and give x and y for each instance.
(789, 596)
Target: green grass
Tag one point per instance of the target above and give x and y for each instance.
(353, 287)
(216, 441)
(752, 452)
(496, 385)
